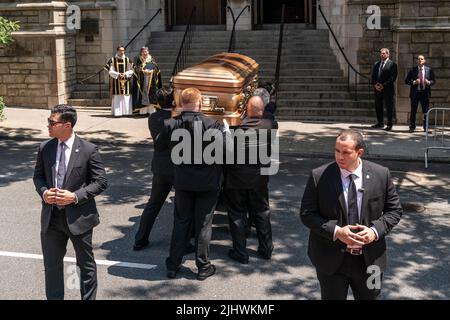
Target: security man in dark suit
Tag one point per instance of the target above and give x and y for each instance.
(349, 205)
(68, 174)
(246, 188)
(420, 78)
(197, 184)
(384, 75)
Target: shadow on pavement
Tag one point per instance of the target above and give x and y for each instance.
(418, 260)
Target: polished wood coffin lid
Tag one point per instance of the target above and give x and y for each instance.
(223, 72)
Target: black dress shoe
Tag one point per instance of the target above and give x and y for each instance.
(140, 246)
(388, 128)
(264, 255)
(411, 130)
(233, 255)
(172, 274)
(206, 273)
(377, 125)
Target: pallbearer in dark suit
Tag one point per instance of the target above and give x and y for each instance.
(197, 183)
(162, 169)
(384, 75)
(68, 174)
(350, 205)
(246, 188)
(420, 78)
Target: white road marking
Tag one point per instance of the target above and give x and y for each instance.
(108, 263)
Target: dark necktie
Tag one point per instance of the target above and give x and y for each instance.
(352, 200)
(61, 167)
(381, 69)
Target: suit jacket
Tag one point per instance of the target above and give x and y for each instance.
(413, 74)
(323, 208)
(85, 176)
(191, 176)
(387, 77)
(248, 176)
(161, 163)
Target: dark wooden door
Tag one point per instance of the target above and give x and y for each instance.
(208, 11)
(297, 11)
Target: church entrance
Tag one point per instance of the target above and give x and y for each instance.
(208, 12)
(297, 11)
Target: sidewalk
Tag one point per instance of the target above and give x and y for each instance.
(296, 138)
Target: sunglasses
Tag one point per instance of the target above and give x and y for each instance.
(53, 123)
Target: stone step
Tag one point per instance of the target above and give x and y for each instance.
(250, 33)
(325, 119)
(203, 28)
(312, 79)
(98, 109)
(325, 112)
(225, 38)
(196, 57)
(90, 102)
(246, 51)
(315, 65)
(223, 45)
(319, 95)
(320, 87)
(287, 26)
(252, 37)
(92, 87)
(323, 103)
(270, 72)
(304, 72)
(90, 95)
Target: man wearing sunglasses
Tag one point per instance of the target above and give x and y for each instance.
(68, 174)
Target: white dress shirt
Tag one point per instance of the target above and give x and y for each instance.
(68, 150)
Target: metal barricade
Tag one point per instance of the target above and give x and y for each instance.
(439, 137)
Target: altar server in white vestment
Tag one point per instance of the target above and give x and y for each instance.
(120, 70)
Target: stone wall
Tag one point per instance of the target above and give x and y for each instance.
(38, 68)
(423, 27)
(129, 18)
(94, 41)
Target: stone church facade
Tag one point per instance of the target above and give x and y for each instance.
(47, 60)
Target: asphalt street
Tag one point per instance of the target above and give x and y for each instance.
(418, 254)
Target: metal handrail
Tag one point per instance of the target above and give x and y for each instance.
(349, 65)
(129, 42)
(185, 46)
(280, 47)
(232, 43)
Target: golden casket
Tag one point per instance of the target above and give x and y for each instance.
(226, 81)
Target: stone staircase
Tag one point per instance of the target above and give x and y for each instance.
(312, 86)
(86, 97)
